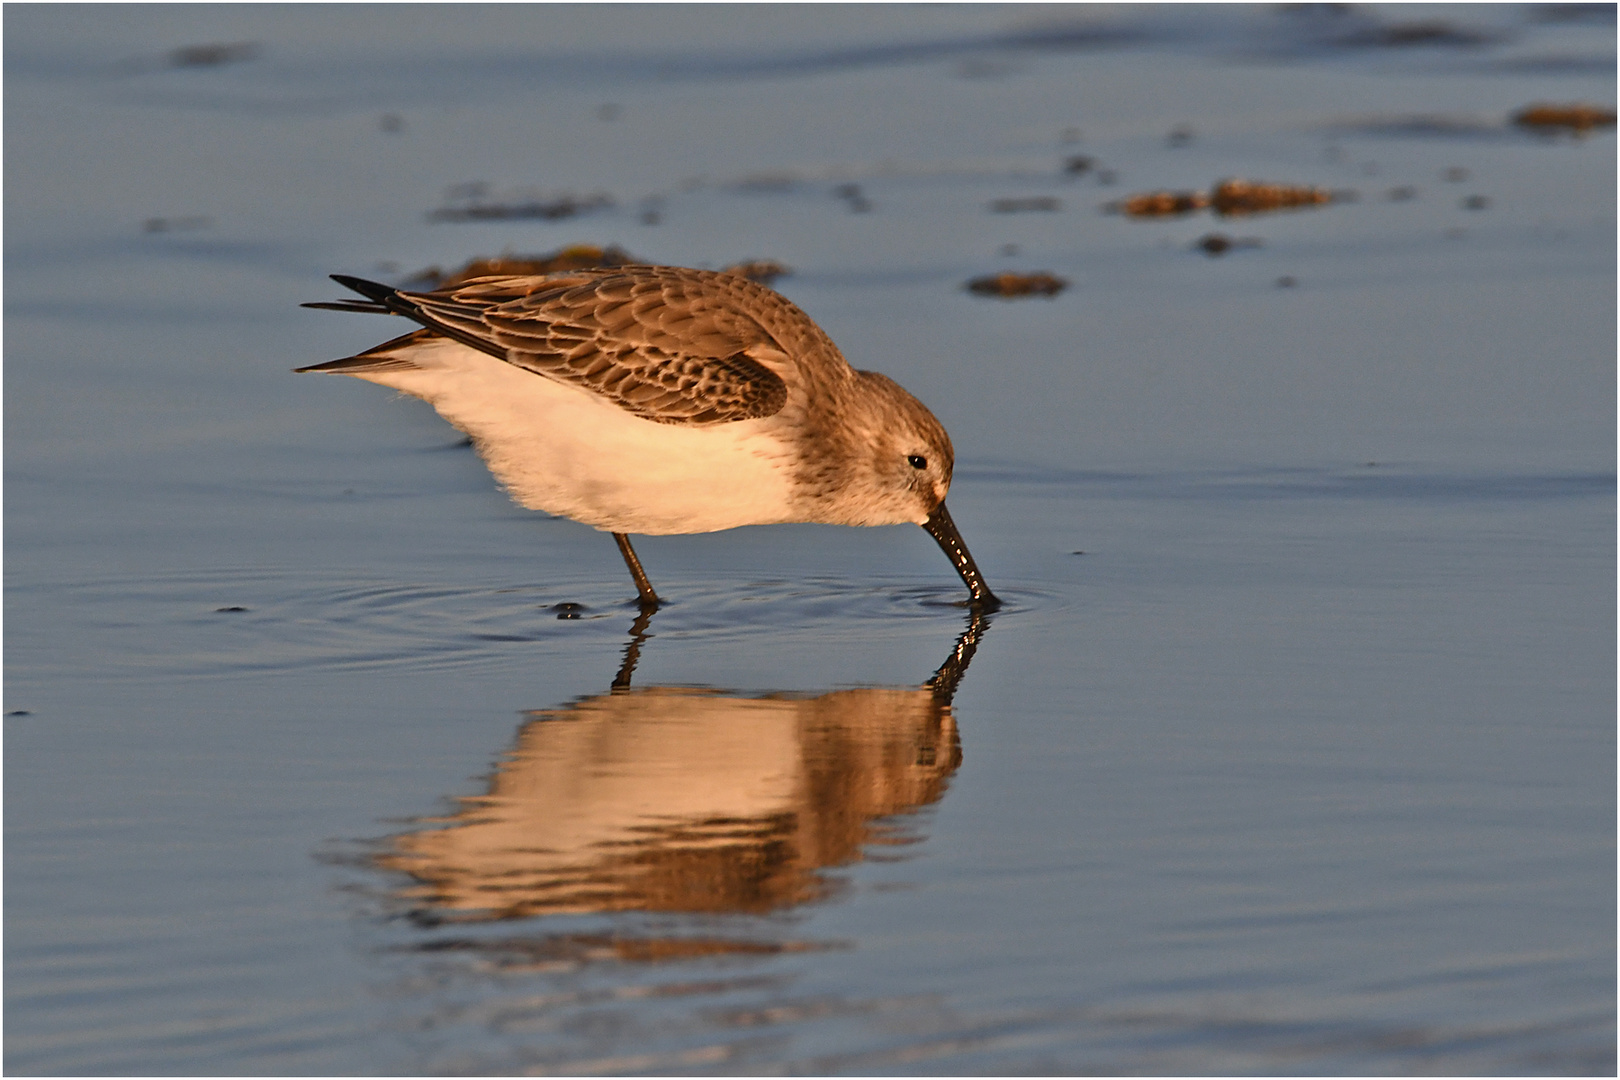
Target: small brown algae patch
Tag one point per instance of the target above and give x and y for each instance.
(1160, 204)
(1011, 286)
(1227, 198)
(1578, 120)
(573, 257)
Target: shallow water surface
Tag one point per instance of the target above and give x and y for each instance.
(1290, 751)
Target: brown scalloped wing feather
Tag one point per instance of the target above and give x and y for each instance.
(674, 346)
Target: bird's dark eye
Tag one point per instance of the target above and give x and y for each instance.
(918, 461)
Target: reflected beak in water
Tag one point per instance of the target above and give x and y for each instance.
(943, 530)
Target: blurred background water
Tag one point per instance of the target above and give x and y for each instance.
(1293, 750)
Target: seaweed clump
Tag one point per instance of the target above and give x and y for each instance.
(1009, 285)
(1231, 197)
(1578, 119)
(1227, 198)
(573, 257)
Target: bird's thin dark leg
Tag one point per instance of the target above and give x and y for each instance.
(643, 586)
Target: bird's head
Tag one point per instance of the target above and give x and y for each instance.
(905, 458)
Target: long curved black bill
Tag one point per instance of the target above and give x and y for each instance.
(943, 530)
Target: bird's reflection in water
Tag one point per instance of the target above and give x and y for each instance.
(674, 799)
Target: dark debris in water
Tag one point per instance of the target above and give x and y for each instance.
(189, 223)
(1407, 35)
(1038, 204)
(1078, 165)
(1217, 244)
(227, 610)
(1422, 126)
(853, 198)
(1010, 285)
(475, 202)
(215, 54)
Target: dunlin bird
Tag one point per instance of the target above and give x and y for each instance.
(656, 399)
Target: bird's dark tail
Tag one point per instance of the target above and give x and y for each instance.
(376, 302)
(371, 290)
(383, 299)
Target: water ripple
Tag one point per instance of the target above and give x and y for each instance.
(225, 623)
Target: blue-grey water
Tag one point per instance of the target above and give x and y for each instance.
(1292, 750)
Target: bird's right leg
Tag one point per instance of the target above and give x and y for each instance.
(643, 586)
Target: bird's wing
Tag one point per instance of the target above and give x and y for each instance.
(674, 346)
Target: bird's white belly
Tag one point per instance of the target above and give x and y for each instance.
(565, 451)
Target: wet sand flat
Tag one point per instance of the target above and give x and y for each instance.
(1291, 750)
